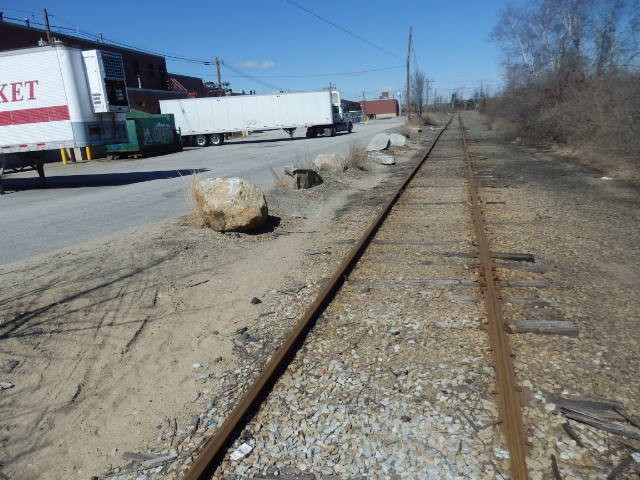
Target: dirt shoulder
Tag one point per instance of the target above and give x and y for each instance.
(582, 227)
(111, 342)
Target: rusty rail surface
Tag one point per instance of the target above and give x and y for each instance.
(214, 449)
(508, 397)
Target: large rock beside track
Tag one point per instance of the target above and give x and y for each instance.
(299, 178)
(397, 140)
(382, 158)
(330, 162)
(380, 142)
(230, 204)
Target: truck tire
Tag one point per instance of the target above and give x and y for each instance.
(216, 139)
(332, 131)
(200, 140)
(350, 128)
(311, 133)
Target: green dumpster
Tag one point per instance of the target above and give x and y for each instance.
(149, 134)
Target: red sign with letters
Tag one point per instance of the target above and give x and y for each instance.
(18, 91)
(23, 92)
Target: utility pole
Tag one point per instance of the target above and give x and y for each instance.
(435, 98)
(408, 76)
(46, 22)
(219, 74)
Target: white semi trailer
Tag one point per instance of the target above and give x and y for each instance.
(54, 97)
(205, 121)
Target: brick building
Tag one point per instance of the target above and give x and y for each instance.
(146, 74)
(383, 108)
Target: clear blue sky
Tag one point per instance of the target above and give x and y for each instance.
(285, 47)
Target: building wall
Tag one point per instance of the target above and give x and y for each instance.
(350, 106)
(381, 108)
(146, 74)
(192, 84)
(144, 100)
(152, 69)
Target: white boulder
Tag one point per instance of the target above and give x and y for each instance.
(231, 204)
(330, 162)
(380, 142)
(382, 158)
(397, 140)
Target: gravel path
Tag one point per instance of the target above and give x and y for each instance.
(584, 230)
(396, 379)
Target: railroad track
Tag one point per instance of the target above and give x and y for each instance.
(389, 372)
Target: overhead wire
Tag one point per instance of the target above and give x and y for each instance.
(102, 39)
(239, 74)
(329, 74)
(268, 85)
(348, 32)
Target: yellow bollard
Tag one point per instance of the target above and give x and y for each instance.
(88, 150)
(63, 154)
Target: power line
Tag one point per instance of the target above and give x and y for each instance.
(101, 39)
(354, 35)
(329, 74)
(415, 58)
(268, 85)
(239, 74)
(30, 12)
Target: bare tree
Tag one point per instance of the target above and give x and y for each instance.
(542, 38)
(573, 70)
(615, 28)
(418, 91)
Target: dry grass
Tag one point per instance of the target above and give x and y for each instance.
(406, 130)
(279, 181)
(427, 119)
(357, 157)
(593, 113)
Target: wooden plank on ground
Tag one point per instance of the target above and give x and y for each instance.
(545, 327)
(464, 298)
(520, 257)
(412, 242)
(527, 283)
(410, 203)
(615, 473)
(533, 301)
(521, 266)
(619, 429)
(436, 282)
(603, 409)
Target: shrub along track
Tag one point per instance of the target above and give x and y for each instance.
(387, 374)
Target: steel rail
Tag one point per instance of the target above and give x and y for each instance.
(213, 451)
(508, 398)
